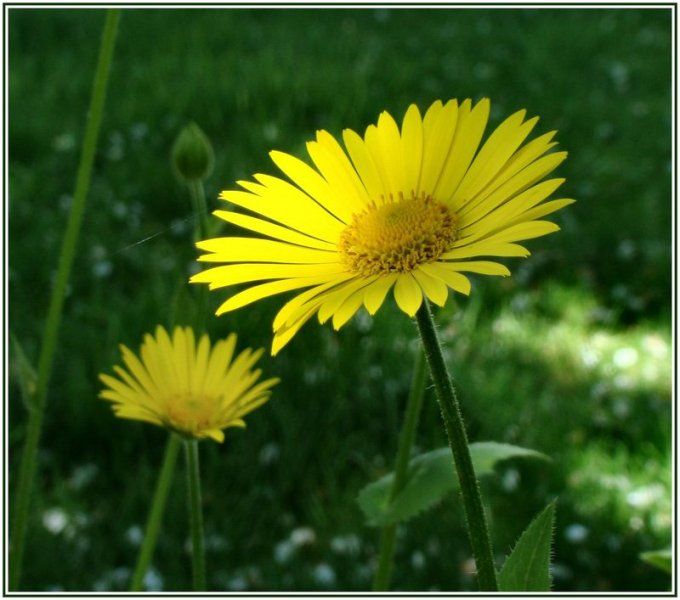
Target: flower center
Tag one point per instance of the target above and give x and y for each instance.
(398, 235)
(188, 414)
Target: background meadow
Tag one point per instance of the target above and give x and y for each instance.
(571, 356)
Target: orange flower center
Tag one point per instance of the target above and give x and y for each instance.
(397, 235)
(188, 414)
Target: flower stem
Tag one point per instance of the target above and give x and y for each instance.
(381, 580)
(195, 515)
(455, 430)
(200, 207)
(201, 232)
(30, 451)
(153, 523)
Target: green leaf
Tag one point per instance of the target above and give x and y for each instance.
(661, 559)
(527, 569)
(24, 372)
(431, 476)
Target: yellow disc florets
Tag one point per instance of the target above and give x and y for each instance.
(189, 414)
(397, 235)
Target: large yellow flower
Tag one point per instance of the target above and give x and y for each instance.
(190, 388)
(397, 209)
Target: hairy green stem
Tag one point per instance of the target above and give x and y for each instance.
(29, 457)
(195, 515)
(388, 534)
(455, 430)
(153, 524)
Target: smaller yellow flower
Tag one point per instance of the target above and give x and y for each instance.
(189, 388)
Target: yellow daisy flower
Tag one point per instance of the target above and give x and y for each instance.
(395, 209)
(190, 388)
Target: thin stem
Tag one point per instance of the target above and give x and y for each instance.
(455, 430)
(388, 534)
(148, 547)
(153, 524)
(30, 451)
(198, 202)
(201, 232)
(195, 515)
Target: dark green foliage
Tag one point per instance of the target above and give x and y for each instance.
(542, 359)
(431, 476)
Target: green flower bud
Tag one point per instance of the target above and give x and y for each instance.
(192, 154)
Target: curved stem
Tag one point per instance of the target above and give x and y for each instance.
(455, 430)
(153, 523)
(195, 515)
(66, 256)
(388, 534)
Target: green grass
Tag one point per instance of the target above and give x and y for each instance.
(571, 356)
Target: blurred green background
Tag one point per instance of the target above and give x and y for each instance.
(570, 356)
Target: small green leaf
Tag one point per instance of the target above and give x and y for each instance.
(431, 476)
(661, 559)
(485, 455)
(527, 569)
(24, 372)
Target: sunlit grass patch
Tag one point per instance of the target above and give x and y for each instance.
(566, 329)
(630, 491)
(553, 351)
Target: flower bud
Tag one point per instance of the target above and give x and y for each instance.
(192, 154)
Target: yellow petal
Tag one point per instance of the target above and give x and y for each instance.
(373, 146)
(264, 290)
(391, 152)
(179, 358)
(439, 128)
(435, 289)
(137, 414)
(515, 185)
(363, 163)
(202, 356)
(215, 434)
(334, 299)
(283, 336)
(525, 231)
(523, 157)
(408, 295)
(374, 294)
(312, 183)
(469, 132)
(283, 202)
(287, 310)
(227, 275)
(485, 248)
(272, 230)
(344, 165)
(348, 309)
(241, 249)
(139, 371)
(412, 148)
(478, 223)
(339, 178)
(543, 210)
(453, 279)
(484, 267)
(497, 150)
